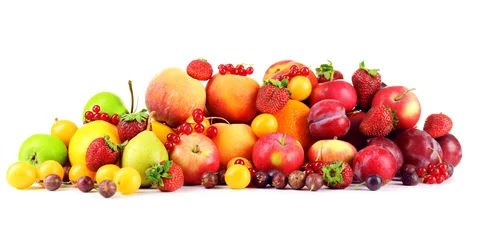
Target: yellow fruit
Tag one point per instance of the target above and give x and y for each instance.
(21, 175)
(85, 135)
(237, 176)
(300, 87)
(106, 172)
(161, 130)
(49, 167)
(80, 170)
(127, 180)
(63, 130)
(264, 124)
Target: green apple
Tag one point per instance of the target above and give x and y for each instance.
(42, 147)
(109, 102)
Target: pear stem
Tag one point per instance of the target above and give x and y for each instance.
(148, 121)
(130, 84)
(400, 97)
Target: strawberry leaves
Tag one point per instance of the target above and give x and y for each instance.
(326, 70)
(139, 117)
(113, 146)
(332, 173)
(372, 72)
(278, 83)
(158, 172)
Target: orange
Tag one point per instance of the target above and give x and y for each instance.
(264, 124)
(63, 130)
(292, 120)
(161, 130)
(247, 163)
(300, 88)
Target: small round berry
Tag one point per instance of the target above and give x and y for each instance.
(279, 77)
(212, 131)
(317, 165)
(435, 171)
(197, 111)
(105, 117)
(89, 115)
(285, 76)
(169, 145)
(188, 129)
(239, 161)
(229, 67)
(96, 108)
(304, 71)
(306, 165)
(292, 73)
(422, 172)
(446, 175)
(242, 72)
(115, 119)
(429, 179)
(170, 137)
(430, 167)
(308, 171)
(439, 179)
(443, 167)
(221, 66)
(294, 67)
(234, 71)
(252, 171)
(180, 128)
(249, 70)
(97, 116)
(199, 128)
(198, 117)
(222, 71)
(240, 67)
(176, 139)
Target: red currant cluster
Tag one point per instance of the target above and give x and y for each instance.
(435, 173)
(186, 128)
(237, 70)
(96, 114)
(294, 70)
(314, 167)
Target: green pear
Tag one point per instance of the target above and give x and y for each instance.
(142, 152)
(42, 147)
(109, 103)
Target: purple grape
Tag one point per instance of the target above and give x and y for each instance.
(279, 180)
(260, 179)
(297, 179)
(271, 174)
(52, 182)
(221, 177)
(85, 184)
(209, 179)
(409, 175)
(374, 182)
(314, 181)
(107, 188)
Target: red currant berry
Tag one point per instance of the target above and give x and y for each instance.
(115, 119)
(222, 71)
(429, 179)
(252, 171)
(317, 165)
(176, 139)
(443, 167)
(187, 129)
(430, 167)
(170, 137)
(229, 67)
(89, 115)
(105, 117)
(221, 66)
(439, 179)
(434, 172)
(180, 128)
(97, 116)
(279, 77)
(199, 128)
(169, 145)
(306, 165)
(197, 111)
(242, 72)
(198, 117)
(292, 73)
(304, 71)
(235, 71)
(212, 131)
(249, 70)
(422, 172)
(286, 76)
(308, 171)
(294, 67)
(240, 67)
(96, 108)
(239, 161)
(446, 175)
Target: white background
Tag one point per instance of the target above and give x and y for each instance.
(55, 55)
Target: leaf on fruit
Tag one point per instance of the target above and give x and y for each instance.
(139, 117)
(158, 172)
(326, 70)
(372, 72)
(332, 173)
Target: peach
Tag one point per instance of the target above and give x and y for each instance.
(234, 140)
(283, 66)
(232, 97)
(330, 150)
(173, 95)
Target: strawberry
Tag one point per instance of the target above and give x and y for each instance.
(200, 69)
(337, 175)
(326, 73)
(272, 96)
(102, 151)
(130, 124)
(167, 176)
(379, 121)
(366, 82)
(438, 125)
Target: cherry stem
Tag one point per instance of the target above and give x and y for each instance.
(148, 121)
(210, 118)
(400, 97)
(438, 155)
(130, 84)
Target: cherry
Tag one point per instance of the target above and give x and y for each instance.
(222, 71)
(294, 67)
(439, 179)
(169, 145)
(115, 119)
(249, 70)
(105, 117)
(89, 115)
(212, 131)
(199, 128)
(422, 172)
(96, 108)
(198, 117)
(170, 137)
(304, 71)
(176, 139)
(239, 161)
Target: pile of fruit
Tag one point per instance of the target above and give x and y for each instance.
(298, 129)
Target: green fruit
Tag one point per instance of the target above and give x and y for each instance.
(142, 152)
(109, 102)
(42, 147)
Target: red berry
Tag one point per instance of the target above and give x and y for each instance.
(105, 117)
(292, 73)
(239, 161)
(429, 179)
(179, 129)
(308, 171)
(306, 165)
(212, 131)
(97, 116)
(187, 129)
(242, 72)
(430, 167)
(294, 67)
(422, 172)
(304, 71)
(222, 71)
(169, 145)
(199, 128)
(285, 76)
(197, 111)
(317, 165)
(252, 172)
(221, 66)
(443, 167)
(198, 117)
(434, 172)
(176, 139)
(235, 71)
(249, 70)
(446, 175)
(170, 137)
(229, 67)
(89, 115)
(240, 67)
(439, 179)
(115, 119)
(96, 108)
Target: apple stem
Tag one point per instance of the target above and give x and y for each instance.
(438, 155)
(283, 139)
(400, 97)
(196, 149)
(148, 121)
(221, 118)
(130, 84)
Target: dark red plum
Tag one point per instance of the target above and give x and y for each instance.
(374, 160)
(418, 148)
(390, 146)
(451, 149)
(354, 135)
(327, 119)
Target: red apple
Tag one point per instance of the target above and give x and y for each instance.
(354, 135)
(331, 150)
(196, 154)
(451, 149)
(403, 101)
(340, 90)
(327, 119)
(278, 151)
(390, 146)
(374, 160)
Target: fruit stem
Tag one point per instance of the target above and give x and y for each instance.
(196, 149)
(148, 121)
(221, 118)
(130, 84)
(400, 97)
(438, 155)
(283, 139)
(56, 119)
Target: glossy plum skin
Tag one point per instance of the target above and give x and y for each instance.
(354, 135)
(416, 146)
(451, 149)
(327, 119)
(390, 146)
(374, 160)
(340, 90)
